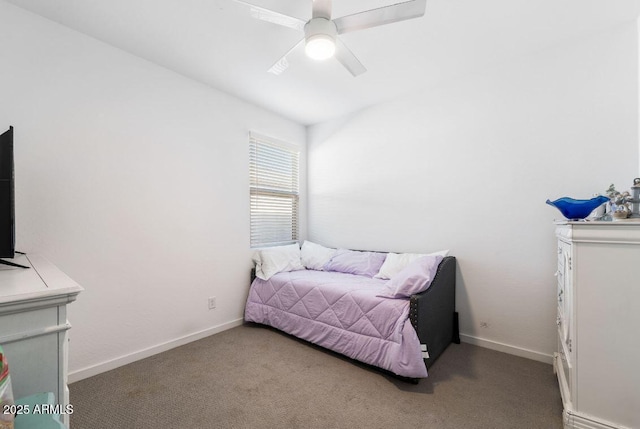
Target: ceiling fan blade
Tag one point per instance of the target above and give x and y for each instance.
(321, 9)
(282, 64)
(348, 60)
(381, 16)
(274, 17)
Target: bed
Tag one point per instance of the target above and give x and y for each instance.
(362, 316)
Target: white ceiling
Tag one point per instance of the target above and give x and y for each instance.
(218, 43)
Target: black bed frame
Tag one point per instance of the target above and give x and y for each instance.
(433, 313)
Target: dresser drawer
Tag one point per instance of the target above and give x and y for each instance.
(25, 321)
(560, 255)
(564, 369)
(560, 292)
(564, 254)
(565, 344)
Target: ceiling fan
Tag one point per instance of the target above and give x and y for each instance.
(321, 32)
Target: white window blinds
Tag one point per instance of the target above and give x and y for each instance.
(273, 190)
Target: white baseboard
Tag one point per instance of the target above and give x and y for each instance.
(506, 348)
(575, 420)
(101, 367)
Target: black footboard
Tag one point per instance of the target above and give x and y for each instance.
(433, 312)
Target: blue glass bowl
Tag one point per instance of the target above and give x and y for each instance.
(577, 209)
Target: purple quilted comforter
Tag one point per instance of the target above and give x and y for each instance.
(340, 312)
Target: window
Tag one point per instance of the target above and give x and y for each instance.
(273, 190)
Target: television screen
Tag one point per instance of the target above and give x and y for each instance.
(7, 210)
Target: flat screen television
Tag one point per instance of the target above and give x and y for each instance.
(7, 201)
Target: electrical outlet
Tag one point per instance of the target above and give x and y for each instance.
(212, 302)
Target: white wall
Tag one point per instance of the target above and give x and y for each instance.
(468, 165)
(134, 181)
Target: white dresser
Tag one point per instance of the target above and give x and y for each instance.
(598, 357)
(33, 326)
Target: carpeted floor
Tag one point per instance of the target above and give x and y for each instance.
(256, 377)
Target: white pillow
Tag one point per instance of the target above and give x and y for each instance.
(314, 256)
(396, 262)
(272, 260)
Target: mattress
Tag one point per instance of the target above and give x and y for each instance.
(340, 312)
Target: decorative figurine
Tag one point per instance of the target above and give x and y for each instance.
(625, 205)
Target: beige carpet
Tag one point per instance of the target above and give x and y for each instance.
(255, 377)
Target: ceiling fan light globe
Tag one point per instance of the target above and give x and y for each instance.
(320, 47)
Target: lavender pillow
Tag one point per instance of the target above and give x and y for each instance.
(414, 278)
(354, 262)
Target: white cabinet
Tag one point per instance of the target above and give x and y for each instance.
(598, 296)
(33, 326)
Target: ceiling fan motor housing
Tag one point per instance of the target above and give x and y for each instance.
(320, 38)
